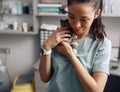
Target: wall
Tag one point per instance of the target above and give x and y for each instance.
(112, 27)
(24, 51)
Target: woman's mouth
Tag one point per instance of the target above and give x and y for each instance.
(78, 31)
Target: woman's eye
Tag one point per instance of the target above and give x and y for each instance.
(71, 17)
(84, 20)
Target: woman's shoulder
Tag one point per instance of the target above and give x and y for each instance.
(106, 43)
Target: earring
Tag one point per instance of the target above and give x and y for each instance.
(96, 16)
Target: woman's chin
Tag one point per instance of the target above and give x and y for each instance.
(79, 32)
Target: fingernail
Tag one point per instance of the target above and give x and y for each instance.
(75, 51)
(74, 44)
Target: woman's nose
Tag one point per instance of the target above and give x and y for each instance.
(77, 23)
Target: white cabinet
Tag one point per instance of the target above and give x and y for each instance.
(105, 8)
(114, 8)
(111, 8)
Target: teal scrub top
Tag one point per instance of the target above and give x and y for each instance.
(93, 56)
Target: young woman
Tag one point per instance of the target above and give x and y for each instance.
(87, 69)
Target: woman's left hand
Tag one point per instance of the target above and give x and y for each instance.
(65, 49)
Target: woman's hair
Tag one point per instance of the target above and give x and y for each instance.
(97, 28)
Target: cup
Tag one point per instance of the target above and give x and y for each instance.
(25, 26)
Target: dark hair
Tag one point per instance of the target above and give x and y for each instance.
(97, 27)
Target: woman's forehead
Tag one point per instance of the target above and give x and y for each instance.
(80, 9)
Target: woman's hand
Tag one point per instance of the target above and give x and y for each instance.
(58, 36)
(65, 49)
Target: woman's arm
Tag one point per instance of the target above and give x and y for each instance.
(45, 61)
(94, 83)
(45, 68)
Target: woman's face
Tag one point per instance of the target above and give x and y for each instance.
(80, 17)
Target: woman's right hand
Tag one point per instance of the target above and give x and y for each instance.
(58, 36)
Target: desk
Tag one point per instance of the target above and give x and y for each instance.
(115, 68)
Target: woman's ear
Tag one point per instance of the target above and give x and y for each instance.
(97, 14)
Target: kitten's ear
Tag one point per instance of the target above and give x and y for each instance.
(64, 23)
(61, 23)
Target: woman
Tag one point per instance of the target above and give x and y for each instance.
(88, 69)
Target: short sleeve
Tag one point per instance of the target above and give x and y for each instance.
(102, 57)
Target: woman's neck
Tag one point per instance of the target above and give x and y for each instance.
(81, 36)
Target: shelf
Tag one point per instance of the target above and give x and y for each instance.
(17, 14)
(56, 15)
(15, 11)
(17, 32)
(65, 15)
